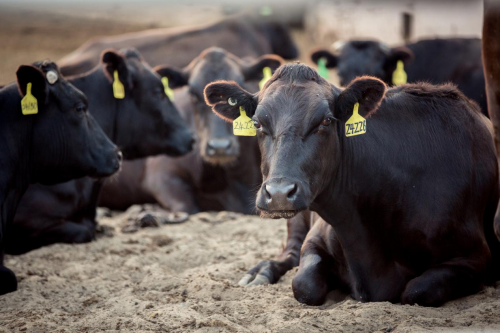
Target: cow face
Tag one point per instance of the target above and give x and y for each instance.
(146, 112)
(358, 58)
(67, 142)
(300, 121)
(218, 145)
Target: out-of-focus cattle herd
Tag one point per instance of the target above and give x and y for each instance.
(389, 182)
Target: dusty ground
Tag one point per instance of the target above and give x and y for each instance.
(183, 278)
(179, 278)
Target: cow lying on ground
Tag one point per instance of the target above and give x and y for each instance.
(408, 202)
(243, 35)
(143, 123)
(436, 61)
(59, 142)
(222, 171)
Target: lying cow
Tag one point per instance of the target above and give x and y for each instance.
(143, 123)
(51, 139)
(243, 35)
(222, 171)
(436, 61)
(404, 192)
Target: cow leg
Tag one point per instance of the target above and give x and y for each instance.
(8, 280)
(270, 271)
(441, 284)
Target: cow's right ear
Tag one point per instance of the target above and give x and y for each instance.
(331, 59)
(114, 61)
(226, 97)
(30, 74)
(399, 53)
(366, 90)
(176, 77)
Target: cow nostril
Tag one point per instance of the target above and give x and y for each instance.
(119, 156)
(266, 192)
(292, 192)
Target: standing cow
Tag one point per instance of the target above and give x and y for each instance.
(405, 179)
(436, 61)
(222, 171)
(58, 142)
(142, 123)
(243, 35)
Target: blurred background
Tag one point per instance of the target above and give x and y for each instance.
(32, 30)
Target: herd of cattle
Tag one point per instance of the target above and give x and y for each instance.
(390, 191)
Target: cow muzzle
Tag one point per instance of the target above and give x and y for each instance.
(221, 150)
(281, 198)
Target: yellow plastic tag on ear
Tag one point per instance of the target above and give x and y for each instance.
(29, 104)
(356, 125)
(243, 125)
(118, 89)
(399, 75)
(267, 75)
(322, 70)
(169, 92)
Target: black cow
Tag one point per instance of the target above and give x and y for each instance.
(436, 61)
(404, 202)
(143, 123)
(60, 142)
(222, 171)
(243, 35)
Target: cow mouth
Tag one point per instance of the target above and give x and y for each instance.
(278, 214)
(221, 160)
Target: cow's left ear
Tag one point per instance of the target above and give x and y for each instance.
(31, 74)
(398, 53)
(176, 77)
(226, 97)
(114, 61)
(254, 70)
(366, 90)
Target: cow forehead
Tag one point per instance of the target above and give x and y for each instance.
(207, 71)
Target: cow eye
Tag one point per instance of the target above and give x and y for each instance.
(327, 121)
(81, 107)
(256, 124)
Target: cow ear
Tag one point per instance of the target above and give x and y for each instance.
(176, 78)
(226, 97)
(114, 61)
(30, 74)
(254, 70)
(366, 90)
(331, 59)
(398, 53)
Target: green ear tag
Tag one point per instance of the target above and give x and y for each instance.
(243, 125)
(322, 70)
(29, 104)
(118, 89)
(356, 125)
(267, 75)
(399, 75)
(168, 91)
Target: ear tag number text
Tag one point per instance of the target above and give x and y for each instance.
(29, 104)
(168, 91)
(356, 125)
(243, 125)
(322, 70)
(118, 89)
(399, 75)
(267, 75)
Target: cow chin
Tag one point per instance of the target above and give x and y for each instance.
(221, 160)
(283, 214)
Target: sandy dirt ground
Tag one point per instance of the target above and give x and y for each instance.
(180, 278)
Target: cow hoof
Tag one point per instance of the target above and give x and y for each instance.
(175, 217)
(8, 281)
(249, 280)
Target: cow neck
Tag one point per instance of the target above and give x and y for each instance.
(102, 104)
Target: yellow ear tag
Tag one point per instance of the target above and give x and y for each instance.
(118, 89)
(169, 92)
(29, 104)
(243, 125)
(267, 75)
(399, 75)
(356, 125)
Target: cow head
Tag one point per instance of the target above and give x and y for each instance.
(218, 145)
(300, 120)
(66, 142)
(363, 57)
(146, 121)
